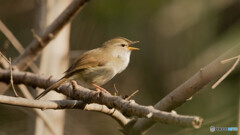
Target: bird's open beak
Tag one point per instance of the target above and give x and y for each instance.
(133, 48)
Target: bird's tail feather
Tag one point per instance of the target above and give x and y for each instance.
(55, 85)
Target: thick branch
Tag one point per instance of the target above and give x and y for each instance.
(128, 108)
(186, 90)
(35, 48)
(63, 104)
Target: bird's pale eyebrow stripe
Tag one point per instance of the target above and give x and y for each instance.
(125, 39)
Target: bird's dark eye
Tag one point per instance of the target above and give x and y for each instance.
(123, 45)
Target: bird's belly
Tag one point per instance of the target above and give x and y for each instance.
(96, 75)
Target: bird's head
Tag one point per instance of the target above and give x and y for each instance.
(120, 45)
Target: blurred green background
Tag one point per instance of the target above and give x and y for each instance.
(177, 38)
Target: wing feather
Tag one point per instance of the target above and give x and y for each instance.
(86, 60)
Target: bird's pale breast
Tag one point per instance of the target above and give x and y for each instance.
(96, 75)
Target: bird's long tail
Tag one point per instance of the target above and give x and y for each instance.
(55, 85)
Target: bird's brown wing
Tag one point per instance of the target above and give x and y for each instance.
(86, 60)
(89, 59)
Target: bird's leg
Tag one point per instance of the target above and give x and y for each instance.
(100, 88)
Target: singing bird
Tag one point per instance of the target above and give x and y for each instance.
(96, 67)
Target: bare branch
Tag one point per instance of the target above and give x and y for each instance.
(129, 108)
(134, 93)
(40, 113)
(230, 59)
(5, 62)
(15, 43)
(115, 88)
(186, 90)
(61, 104)
(11, 78)
(41, 104)
(35, 35)
(27, 94)
(10, 68)
(11, 37)
(226, 74)
(118, 116)
(35, 47)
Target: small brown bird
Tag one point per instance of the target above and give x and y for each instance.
(96, 67)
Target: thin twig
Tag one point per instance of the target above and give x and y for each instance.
(4, 61)
(134, 93)
(230, 59)
(115, 88)
(35, 35)
(226, 74)
(11, 80)
(10, 68)
(4, 58)
(5, 64)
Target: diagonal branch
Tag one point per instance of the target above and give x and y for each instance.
(15, 43)
(35, 48)
(11, 37)
(129, 108)
(186, 90)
